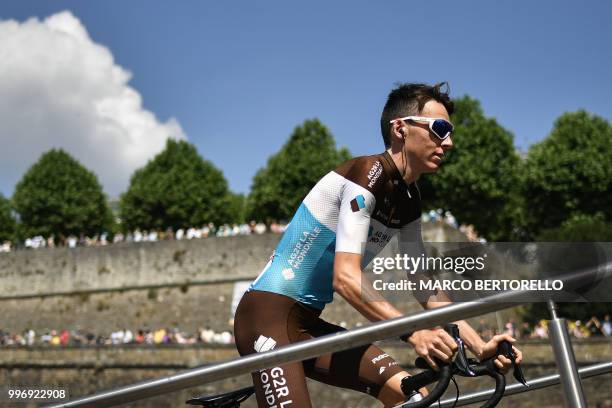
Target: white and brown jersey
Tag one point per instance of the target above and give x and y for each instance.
(355, 208)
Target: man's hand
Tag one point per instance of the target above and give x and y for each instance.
(435, 343)
(502, 362)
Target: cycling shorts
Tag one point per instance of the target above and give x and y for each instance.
(265, 321)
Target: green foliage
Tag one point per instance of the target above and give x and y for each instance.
(579, 228)
(177, 189)
(570, 172)
(307, 156)
(58, 196)
(478, 179)
(236, 207)
(7, 222)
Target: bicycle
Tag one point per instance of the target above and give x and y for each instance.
(461, 365)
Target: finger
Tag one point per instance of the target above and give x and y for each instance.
(442, 347)
(431, 363)
(444, 357)
(503, 368)
(448, 341)
(504, 360)
(501, 337)
(519, 355)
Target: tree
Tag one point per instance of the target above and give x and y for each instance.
(7, 222)
(569, 173)
(478, 179)
(278, 188)
(236, 206)
(59, 196)
(177, 189)
(578, 228)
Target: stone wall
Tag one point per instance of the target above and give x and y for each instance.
(86, 370)
(58, 271)
(48, 272)
(188, 284)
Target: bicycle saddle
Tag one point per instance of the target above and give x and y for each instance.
(230, 399)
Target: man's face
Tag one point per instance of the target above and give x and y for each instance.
(424, 149)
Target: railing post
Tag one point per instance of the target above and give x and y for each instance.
(566, 362)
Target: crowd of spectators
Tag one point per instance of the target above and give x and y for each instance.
(208, 230)
(446, 217)
(594, 327)
(120, 337)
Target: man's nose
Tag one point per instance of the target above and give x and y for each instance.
(447, 143)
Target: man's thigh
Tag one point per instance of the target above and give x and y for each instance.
(261, 325)
(365, 368)
(282, 386)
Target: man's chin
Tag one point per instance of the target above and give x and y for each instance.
(432, 167)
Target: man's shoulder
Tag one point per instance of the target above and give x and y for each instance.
(365, 171)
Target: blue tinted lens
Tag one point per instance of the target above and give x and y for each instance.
(442, 128)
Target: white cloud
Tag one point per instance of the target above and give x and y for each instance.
(58, 88)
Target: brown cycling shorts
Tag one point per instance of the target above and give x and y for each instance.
(266, 320)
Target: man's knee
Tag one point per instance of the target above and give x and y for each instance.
(391, 392)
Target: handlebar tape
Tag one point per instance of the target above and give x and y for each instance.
(426, 377)
(488, 368)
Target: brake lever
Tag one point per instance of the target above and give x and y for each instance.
(505, 348)
(461, 363)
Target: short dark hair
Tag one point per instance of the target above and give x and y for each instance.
(409, 99)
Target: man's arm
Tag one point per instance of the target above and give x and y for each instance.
(411, 243)
(350, 283)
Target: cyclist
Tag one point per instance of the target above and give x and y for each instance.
(341, 225)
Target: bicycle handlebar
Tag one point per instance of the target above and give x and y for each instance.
(489, 368)
(413, 383)
(461, 366)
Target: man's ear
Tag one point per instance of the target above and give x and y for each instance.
(397, 127)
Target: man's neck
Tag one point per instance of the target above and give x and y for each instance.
(403, 166)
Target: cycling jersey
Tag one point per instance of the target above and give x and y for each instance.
(356, 208)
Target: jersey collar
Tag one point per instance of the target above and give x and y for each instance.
(396, 176)
(392, 169)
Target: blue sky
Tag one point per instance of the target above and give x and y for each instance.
(239, 76)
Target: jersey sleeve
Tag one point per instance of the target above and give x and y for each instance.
(357, 204)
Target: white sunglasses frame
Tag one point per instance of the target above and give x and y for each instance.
(428, 120)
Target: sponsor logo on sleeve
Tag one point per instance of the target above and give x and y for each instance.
(264, 343)
(288, 274)
(358, 203)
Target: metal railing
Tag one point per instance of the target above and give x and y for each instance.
(534, 384)
(316, 347)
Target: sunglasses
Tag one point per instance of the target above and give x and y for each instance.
(440, 127)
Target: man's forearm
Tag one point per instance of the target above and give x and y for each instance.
(471, 338)
(363, 297)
